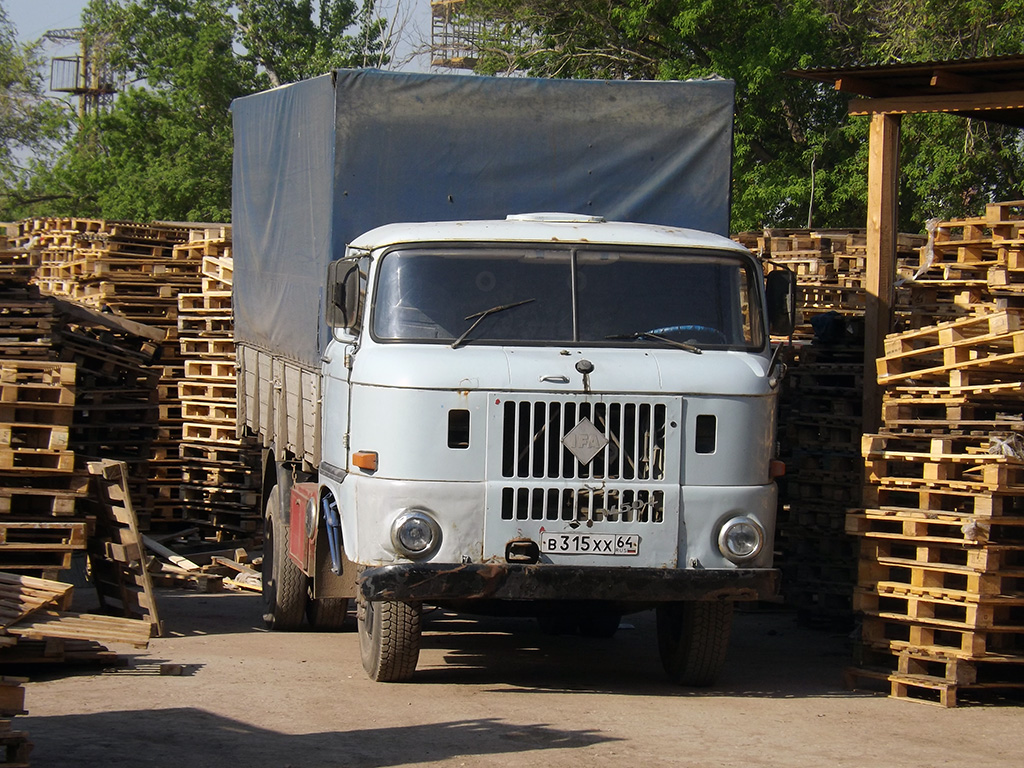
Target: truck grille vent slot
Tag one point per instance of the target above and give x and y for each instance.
(608, 505)
(532, 440)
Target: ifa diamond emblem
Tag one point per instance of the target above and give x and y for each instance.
(585, 441)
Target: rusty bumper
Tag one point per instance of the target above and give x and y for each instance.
(427, 582)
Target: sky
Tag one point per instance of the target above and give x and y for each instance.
(33, 18)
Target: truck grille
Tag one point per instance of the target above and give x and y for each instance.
(608, 505)
(532, 440)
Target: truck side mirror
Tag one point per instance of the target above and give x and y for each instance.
(343, 295)
(780, 288)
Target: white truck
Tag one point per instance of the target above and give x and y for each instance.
(567, 414)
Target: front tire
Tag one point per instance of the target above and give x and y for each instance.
(389, 639)
(693, 639)
(285, 586)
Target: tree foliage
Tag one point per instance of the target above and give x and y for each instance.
(798, 158)
(163, 149)
(28, 121)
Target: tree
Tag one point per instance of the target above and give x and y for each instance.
(951, 166)
(782, 129)
(798, 157)
(163, 150)
(28, 121)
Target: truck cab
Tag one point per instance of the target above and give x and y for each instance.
(550, 415)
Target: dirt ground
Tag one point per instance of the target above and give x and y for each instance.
(489, 692)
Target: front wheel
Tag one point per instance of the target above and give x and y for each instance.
(693, 638)
(389, 639)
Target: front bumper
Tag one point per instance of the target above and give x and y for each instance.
(427, 582)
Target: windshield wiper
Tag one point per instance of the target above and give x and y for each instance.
(486, 313)
(648, 335)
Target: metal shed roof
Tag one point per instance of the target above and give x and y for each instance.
(988, 88)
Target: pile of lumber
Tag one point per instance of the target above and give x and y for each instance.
(131, 271)
(941, 529)
(37, 625)
(136, 376)
(967, 265)
(820, 419)
(40, 523)
(220, 471)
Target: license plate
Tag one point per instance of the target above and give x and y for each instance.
(590, 543)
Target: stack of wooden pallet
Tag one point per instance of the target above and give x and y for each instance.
(967, 265)
(128, 268)
(820, 422)
(941, 530)
(40, 526)
(220, 489)
(133, 372)
(134, 272)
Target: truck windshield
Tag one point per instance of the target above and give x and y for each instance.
(558, 295)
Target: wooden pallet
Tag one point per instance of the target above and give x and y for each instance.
(939, 460)
(116, 553)
(935, 527)
(963, 497)
(937, 337)
(19, 537)
(977, 570)
(218, 270)
(38, 502)
(961, 363)
(900, 635)
(947, 609)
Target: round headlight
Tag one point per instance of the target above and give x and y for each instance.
(415, 534)
(741, 539)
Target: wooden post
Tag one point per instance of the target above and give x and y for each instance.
(883, 178)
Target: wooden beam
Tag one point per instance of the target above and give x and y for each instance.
(939, 102)
(883, 178)
(951, 81)
(861, 86)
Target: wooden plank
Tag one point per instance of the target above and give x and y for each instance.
(179, 560)
(21, 595)
(76, 626)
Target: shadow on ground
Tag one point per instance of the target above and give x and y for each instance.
(770, 656)
(193, 738)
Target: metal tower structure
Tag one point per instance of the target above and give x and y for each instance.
(85, 75)
(454, 39)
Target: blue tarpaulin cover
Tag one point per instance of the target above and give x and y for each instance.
(319, 162)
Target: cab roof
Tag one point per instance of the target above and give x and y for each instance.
(545, 228)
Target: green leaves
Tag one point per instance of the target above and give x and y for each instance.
(798, 156)
(163, 150)
(28, 121)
